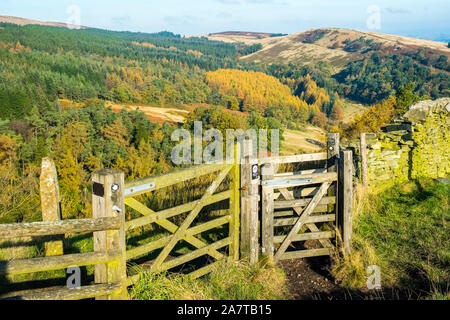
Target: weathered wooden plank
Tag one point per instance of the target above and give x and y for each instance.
(23, 266)
(193, 255)
(108, 201)
(38, 229)
(204, 271)
(300, 192)
(309, 220)
(132, 280)
(346, 199)
(147, 248)
(160, 243)
(316, 179)
(294, 158)
(86, 292)
(249, 206)
(292, 212)
(308, 211)
(178, 235)
(267, 211)
(307, 236)
(302, 202)
(333, 148)
(302, 172)
(333, 145)
(169, 179)
(208, 225)
(235, 200)
(50, 203)
(306, 254)
(151, 216)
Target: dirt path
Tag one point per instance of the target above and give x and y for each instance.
(310, 279)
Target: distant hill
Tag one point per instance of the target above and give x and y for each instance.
(24, 22)
(335, 46)
(240, 35)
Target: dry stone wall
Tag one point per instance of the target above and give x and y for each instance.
(418, 145)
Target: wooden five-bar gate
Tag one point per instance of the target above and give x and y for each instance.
(301, 206)
(268, 213)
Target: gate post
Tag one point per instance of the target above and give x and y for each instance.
(235, 205)
(333, 145)
(249, 204)
(333, 148)
(51, 204)
(108, 200)
(345, 202)
(267, 212)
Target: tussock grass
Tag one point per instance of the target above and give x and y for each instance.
(228, 281)
(405, 232)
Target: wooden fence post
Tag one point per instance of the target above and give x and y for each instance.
(333, 148)
(364, 168)
(235, 205)
(108, 201)
(51, 204)
(333, 145)
(345, 203)
(267, 211)
(249, 204)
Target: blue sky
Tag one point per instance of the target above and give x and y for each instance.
(426, 19)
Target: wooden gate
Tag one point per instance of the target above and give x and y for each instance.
(186, 231)
(302, 211)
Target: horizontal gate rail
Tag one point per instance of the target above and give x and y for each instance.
(302, 202)
(291, 212)
(302, 172)
(23, 266)
(38, 229)
(64, 293)
(310, 219)
(302, 192)
(307, 236)
(306, 254)
(303, 180)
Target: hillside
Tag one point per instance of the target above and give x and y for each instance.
(25, 22)
(312, 46)
(241, 36)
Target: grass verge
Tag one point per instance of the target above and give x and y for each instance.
(228, 281)
(405, 232)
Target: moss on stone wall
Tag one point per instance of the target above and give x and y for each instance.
(416, 146)
(431, 154)
(388, 158)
